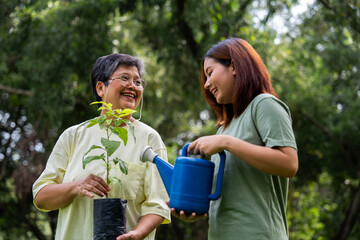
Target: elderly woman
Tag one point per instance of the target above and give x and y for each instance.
(65, 185)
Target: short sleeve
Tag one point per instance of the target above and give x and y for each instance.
(273, 122)
(55, 166)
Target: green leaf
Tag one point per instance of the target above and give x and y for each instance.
(92, 158)
(102, 119)
(110, 145)
(108, 122)
(98, 102)
(104, 105)
(115, 179)
(123, 167)
(92, 148)
(131, 128)
(126, 112)
(92, 122)
(102, 108)
(118, 122)
(109, 114)
(116, 160)
(121, 133)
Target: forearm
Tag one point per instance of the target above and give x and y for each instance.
(147, 224)
(55, 196)
(282, 161)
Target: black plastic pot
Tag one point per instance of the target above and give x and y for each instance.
(109, 218)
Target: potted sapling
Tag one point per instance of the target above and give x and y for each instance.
(109, 213)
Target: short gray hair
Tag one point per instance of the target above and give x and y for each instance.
(105, 66)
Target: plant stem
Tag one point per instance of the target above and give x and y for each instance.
(107, 161)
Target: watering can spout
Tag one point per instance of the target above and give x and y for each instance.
(165, 169)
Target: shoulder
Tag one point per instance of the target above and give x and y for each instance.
(74, 131)
(268, 103)
(143, 128)
(75, 128)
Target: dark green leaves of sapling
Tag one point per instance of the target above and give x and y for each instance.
(111, 121)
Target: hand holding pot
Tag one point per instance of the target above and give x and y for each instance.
(92, 184)
(193, 217)
(128, 236)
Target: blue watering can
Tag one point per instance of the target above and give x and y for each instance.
(189, 182)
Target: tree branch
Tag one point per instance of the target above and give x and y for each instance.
(326, 4)
(17, 91)
(352, 216)
(185, 29)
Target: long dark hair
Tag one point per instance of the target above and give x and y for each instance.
(252, 77)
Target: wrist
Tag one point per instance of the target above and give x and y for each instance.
(74, 189)
(226, 143)
(136, 234)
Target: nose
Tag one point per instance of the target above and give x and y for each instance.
(131, 84)
(207, 84)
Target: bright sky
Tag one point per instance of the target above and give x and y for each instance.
(278, 21)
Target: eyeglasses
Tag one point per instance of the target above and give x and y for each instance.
(125, 80)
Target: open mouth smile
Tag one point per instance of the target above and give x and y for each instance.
(130, 95)
(214, 90)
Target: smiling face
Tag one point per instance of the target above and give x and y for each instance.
(220, 80)
(117, 93)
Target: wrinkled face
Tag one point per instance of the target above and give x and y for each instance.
(220, 80)
(123, 90)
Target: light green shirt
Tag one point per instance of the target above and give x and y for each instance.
(253, 203)
(142, 187)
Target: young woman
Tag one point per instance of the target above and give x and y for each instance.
(65, 185)
(257, 136)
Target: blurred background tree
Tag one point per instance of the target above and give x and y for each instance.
(48, 49)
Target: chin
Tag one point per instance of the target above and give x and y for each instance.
(131, 106)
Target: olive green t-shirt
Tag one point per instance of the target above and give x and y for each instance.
(253, 203)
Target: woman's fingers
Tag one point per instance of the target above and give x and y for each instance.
(93, 184)
(187, 217)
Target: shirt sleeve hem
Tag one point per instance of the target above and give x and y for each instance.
(165, 215)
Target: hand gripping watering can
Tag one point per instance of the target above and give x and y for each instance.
(189, 182)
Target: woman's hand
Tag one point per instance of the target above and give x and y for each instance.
(193, 217)
(143, 228)
(207, 145)
(92, 184)
(55, 196)
(129, 236)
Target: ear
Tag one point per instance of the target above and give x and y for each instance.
(232, 68)
(100, 89)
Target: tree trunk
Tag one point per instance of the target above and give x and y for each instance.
(352, 216)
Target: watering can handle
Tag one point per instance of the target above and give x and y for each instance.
(220, 176)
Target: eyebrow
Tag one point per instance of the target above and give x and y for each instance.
(125, 73)
(207, 70)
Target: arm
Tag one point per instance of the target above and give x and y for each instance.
(279, 161)
(55, 196)
(145, 226)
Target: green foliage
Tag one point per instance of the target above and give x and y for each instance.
(308, 207)
(111, 121)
